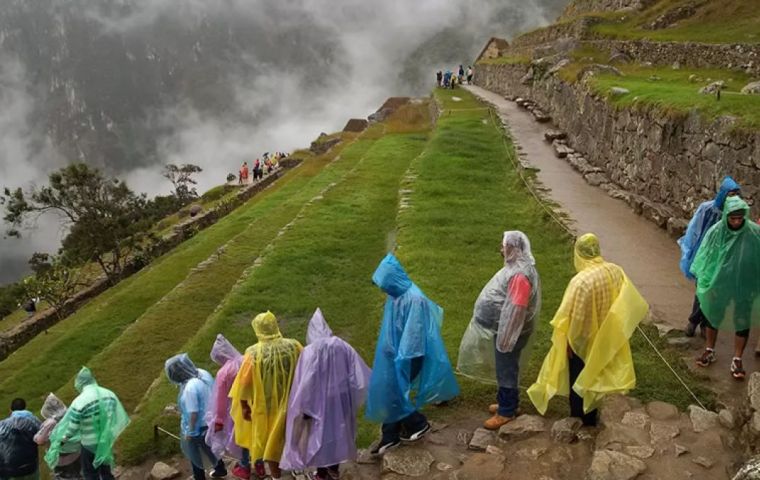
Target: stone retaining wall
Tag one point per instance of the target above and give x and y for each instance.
(581, 7)
(663, 166)
(16, 337)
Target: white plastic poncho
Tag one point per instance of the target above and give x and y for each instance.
(496, 321)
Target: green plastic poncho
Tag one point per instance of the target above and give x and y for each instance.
(96, 429)
(727, 267)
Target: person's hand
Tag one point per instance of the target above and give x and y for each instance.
(218, 427)
(247, 412)
(569, 351)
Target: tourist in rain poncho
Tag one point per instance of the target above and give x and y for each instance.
(18, 451)
(727, 267)
(95, 419)
(68, 466)
(411, 367)
(502, 322)
(220, 435)
(590, 356)
(261, 390)
(329, 387)
(195, 386)
(707, 214)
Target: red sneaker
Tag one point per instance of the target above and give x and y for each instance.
(244, 473)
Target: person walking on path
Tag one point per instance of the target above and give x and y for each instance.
(590, 356)
(728, 284)
(95, 418)
(502, 322)
(68, 466)
(469, 75)
(261, 390)
(18, 450)
(707, 214)
(195, 386)
(411, 367)
(329, 388)
(221, 429)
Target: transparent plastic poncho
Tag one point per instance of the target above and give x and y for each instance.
(330, 385)
(497, 321)
(598, 314)
(410, 332)
(263, 383)
(727, 267)
(111, 419)
(224, 354)
(707, 214)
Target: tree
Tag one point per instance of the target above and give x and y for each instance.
(107, 222)
(11, 296)
(55, 281)
(181, 178)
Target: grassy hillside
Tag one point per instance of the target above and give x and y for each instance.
(439, 194)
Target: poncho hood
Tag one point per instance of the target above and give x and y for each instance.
(265, 327)
(318, 328)
(391, 277)
(587, 252)
(734, 204)
(83, 379)
(223, 351)
(53, 408)
(179, 369)
(728, 185)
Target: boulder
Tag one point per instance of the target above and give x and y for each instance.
(750, 470)
(552, 135)
(613, 408)
(662, 434)
(541, 116)
(701, 419)
(753, 391)
(751, 88)
(636, 419)
(611, 465)
(566, 430)
(619, 91)
(598, 68)
(727, 418)
(523, 426)
(410, 461)
(195, 209)
(162, 471)
(713, 88)
(481, 439)
(481, 466)
(616, 436)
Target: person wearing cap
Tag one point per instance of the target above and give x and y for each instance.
(502, 322)
(195, 386)
(728, 284)
(590, 356)
(260, 393)
(707, 214)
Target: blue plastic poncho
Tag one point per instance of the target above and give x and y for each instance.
(410, 333)
(707, 214)
(18, 451)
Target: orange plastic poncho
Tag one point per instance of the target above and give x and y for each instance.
(598, 313)
(263, 382)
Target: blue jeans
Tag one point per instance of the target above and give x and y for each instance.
(197, 449)
(508, 400)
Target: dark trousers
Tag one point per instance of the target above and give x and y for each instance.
(508, 400)
(407, 425)
(328, 472)
(199, 448)
(697, 317)
(576, 401)
(89, 472)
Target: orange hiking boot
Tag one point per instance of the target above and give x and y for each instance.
(496, 422)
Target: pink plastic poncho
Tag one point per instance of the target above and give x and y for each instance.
(218, 412)
(329, 387)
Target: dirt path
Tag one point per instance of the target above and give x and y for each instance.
(646, 252)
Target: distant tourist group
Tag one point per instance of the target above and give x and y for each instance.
(268, 163)
(449, 79)
(281, 406)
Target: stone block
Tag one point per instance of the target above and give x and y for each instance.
(409, 461)
(611, 465)
(523, 426)
(701, 419)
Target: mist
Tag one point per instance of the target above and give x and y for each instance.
(133, 85)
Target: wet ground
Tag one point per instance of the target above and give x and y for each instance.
(647, 253)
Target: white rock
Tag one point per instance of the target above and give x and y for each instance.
(162, 471)
(636, 419)
(619, 91)
(523, 426)
(701, 419)
(611, 465)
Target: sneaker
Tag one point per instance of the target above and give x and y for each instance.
(707, 357)
(737, 371)
(217, 473)
(241, 472)
(381, 447)
(691, 329)
(260, 469)
(496, 422)
(413, 437)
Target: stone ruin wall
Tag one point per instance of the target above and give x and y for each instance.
(667, 163)
(581, 7)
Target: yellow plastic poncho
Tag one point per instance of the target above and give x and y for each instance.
(598, 313)
(263, 383)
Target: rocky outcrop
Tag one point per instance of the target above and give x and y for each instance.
(662, 165)
(582, 7)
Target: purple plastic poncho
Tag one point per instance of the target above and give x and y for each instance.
(218, 411)
(329, 387)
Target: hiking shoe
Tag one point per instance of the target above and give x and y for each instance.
(737, 370)
(381, 447)
(707, 357)
(496, 422)
(259, 469)
(414, 436)
(241, 472)
(691, 329)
